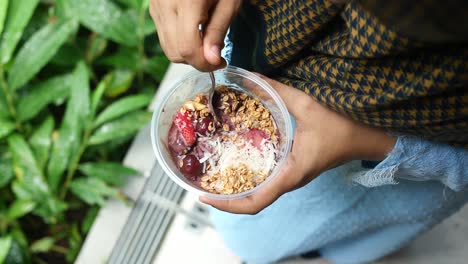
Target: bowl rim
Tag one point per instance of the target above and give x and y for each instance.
(157, 145)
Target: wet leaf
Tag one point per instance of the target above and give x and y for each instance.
(6, 127)
(64, 8)
(156, 67)
(30, 188)
(89, 219)
(18, 15)
(19, 236)
(106, 18)
(40, 95)
(135, 4)
(3, 11)
(67, 55)
(98, 92)
(120, 82)
(74, 240)
(5, 245)
(38, 50)
(16, 254)
(126, 58)
(6, 171)
(110, 172)
(92, 191)
(42, 245)
(41, 140)
(122, 127)
(69, 135)
(20, 208)
(123, 106)
(97, 46)
(24, 163)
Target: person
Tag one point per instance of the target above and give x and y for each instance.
(378, 91)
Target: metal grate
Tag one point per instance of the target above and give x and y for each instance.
(149, 220)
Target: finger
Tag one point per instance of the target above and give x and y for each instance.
(284, 182)
(296, 100)
(164, 17)
(216, 30)
(189, 15)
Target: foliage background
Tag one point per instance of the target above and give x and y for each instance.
(75, 79)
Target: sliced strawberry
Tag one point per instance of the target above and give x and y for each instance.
(256, 137)
(184, 124)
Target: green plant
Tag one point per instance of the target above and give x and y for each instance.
(75, 77)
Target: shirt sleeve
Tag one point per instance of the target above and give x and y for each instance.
(419, 160)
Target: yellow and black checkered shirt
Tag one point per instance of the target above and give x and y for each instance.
(347, 59)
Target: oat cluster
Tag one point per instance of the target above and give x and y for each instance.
(199, 106)
(232, 180)
(247, 112)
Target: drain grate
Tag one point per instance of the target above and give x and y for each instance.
(149, 221)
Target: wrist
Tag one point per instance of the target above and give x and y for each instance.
(369, 143)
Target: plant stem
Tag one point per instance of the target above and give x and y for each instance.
(59, 249)
(9, 98)
(74, 163)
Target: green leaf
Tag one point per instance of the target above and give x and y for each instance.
(122, 106)
(19, 236)
(106, 18)
(3, 10)
(120, 82)
(42, 94)
(20, 208)
(6, 127)
(29, 183)
(24, 163)
(19, 13)
(109, 172)
(38, 50)
(5, 245)
(124, 58)
(41, 140)
(64, 8)
(156, 67)
(16, 254)
(89, 219)
(42, 245)
(31, 188)
(97, 94)
(122, 127)
(97, 46)
(135, 4)
(92, 190)
(69, 136)
(148, 27)
(74, 240)
(6, 171)
(67, 55)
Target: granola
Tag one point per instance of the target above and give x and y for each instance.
(227, 158)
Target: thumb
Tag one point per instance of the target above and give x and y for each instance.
(216, 30)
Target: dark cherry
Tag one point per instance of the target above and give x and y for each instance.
(202, 126)
(191, 166)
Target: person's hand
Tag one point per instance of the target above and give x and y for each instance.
(177, 26)
(323, 140)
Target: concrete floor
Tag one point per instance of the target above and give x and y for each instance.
(447, 243)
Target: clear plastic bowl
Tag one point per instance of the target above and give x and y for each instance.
(198, 82)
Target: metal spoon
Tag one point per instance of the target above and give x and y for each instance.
(213, 86)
